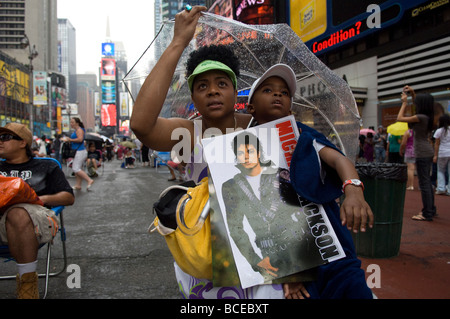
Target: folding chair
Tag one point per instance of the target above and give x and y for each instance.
(58, 210)
(161, 159)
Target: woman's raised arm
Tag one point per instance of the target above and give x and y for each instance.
(152, 130)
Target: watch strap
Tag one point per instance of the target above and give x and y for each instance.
(355, 182)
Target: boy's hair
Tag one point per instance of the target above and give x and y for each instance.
(280, 70)
(218, 53)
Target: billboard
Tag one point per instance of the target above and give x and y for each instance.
(97, 108)
(108, 115)
(308, 18)
(108, 49)
(14, 83)
(108, 92)
(254, 11)
(108, 70)
(40, 94)
(325, 25)
(123, 104)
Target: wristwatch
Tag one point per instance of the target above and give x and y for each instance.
(355, 182)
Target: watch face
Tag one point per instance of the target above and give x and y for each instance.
(356, 182)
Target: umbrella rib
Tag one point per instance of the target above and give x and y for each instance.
(281, 54)
(234, 37)
(145, 50)
(308, 103)
(305, 105)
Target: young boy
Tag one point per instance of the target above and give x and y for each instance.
(270, 98)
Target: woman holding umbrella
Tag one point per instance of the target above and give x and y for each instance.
(422, 125)
(211, 73)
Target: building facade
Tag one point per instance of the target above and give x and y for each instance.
(28, 39)
(67, 60)
(381, 46)
(378, 46)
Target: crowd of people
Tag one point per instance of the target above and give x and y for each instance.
(212, 73)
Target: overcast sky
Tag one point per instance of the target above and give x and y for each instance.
(131, 22)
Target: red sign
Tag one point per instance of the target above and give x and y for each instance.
(109, 115)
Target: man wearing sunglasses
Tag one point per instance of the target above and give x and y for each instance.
(24, 227)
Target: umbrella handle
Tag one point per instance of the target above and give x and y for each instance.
(190, 231)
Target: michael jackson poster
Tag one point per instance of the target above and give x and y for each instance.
(262, 231)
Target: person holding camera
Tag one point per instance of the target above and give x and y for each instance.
(422, 126)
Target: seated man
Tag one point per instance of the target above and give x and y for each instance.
(94, 158)
(24, 227)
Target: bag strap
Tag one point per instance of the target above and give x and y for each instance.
(164, 200)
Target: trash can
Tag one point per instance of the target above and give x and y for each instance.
(384, 191)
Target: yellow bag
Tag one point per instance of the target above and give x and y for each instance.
(192, 253)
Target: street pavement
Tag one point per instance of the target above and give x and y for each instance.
(107, 239)
(422, 268)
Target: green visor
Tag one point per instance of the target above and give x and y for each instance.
(209, 65)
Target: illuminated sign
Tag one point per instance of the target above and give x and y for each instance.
(308, 20)
(337, 37)
(429, 6)
(244, 4)
(109, 115)
(40, 88)
(254, 11)
(345, 21)
(108, 70)
(14, 83)
(108, 92)
(108, 49)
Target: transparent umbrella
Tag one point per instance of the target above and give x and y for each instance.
(323, 100)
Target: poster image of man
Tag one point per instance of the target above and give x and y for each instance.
(268, 231)
(262, 194)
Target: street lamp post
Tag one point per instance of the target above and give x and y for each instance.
(31, 56)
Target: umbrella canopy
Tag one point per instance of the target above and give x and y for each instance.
(105, 138)
(398, 128)
(364, 131)
(323, 100)
(93, 137)
(128, 144)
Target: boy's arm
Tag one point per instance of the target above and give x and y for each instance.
(355, 211)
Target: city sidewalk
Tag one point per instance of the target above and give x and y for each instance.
(422, 268)
(107, 238)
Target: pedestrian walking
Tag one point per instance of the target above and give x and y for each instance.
(77, 143)
(442, 155)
